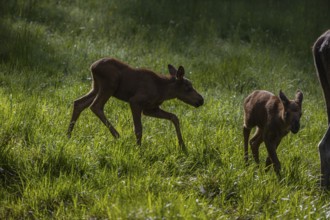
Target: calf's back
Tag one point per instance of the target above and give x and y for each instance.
(257, 106)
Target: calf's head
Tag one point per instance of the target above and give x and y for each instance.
(183, 88)
(292, 110)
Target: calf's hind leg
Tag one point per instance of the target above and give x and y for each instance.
(97, 107)
(255, 142)
(246, 133)
(80, 105)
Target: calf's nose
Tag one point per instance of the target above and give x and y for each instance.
(200, 102)
(295, 128)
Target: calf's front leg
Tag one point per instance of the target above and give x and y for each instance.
(159, 113)
(136, 113)
(272, 156)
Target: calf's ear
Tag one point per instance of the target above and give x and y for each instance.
(284, 99)
(172, 70)
(299, 97)
(180, 73)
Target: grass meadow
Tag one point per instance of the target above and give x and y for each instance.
(228, 48)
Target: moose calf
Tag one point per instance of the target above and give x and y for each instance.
(274, 117)
(143, 89)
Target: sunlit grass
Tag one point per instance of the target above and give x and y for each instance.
(45, 66)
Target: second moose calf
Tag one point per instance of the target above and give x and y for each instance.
(274, 118)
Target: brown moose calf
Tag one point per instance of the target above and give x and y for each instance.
(274, 118)
(143, 89)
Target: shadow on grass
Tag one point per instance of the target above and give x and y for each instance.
(27, 50)
(27, 30)
(10, 171)
(290, 25)
(273, 23)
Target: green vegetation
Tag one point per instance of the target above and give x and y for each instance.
(229, 48)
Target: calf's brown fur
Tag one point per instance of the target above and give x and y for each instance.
(321, 53)
(274, 118)
(143, 89)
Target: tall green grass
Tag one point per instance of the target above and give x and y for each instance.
(228, 48)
